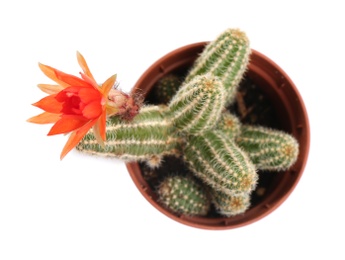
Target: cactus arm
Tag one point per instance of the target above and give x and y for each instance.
(197, 105)
(230, 205)
(184, 195)
(226, 57)
(166, 88)
(220, 163)
(229, 124)
(269, 149)
(148, 135)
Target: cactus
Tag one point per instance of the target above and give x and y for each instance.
(269, 149)
(197, 105)
(220, 163)
(223, 155)
(167, 87)
(229, 124)
(226, 57)
(146, 137)
(230, 205)
(184, 195)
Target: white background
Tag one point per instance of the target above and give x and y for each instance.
(89, 208)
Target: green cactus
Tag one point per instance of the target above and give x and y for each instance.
(269, 149)
(167, 87)
(184, 195)
(220, 163)
(195, 125)
(226, 57)
(146, 137)
(229, 124)
(197, 105)
(230, 205)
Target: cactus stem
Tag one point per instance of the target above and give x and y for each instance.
(220, 163)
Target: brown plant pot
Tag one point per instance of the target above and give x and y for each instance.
(291, 116)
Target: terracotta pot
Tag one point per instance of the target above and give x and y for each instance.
(291, 113)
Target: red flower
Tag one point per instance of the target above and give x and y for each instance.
(77, 104)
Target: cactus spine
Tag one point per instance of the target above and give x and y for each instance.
(226, 57)
(184, 195)
(220, 163)
(197, 106)
(269, 149)
(147, 136)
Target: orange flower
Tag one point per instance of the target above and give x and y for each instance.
(77, 104)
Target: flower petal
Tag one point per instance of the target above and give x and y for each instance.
(89, 80)
(50, 73)
(101, 123)
(83, 65)
(44, 118)
(50, 89)
(75, 138)
(108, 84)
(62, 78)
(88, 95)
(98, 136)
(67, 123)
(71, 80)
(49, 104)
(111, 110)
(92, 110)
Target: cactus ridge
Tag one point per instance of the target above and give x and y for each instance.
(218, 161)
(148, 134)
(184, 195)
(226, 57)
(197, 106)
(269, 149)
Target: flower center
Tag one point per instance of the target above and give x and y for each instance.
(72, 105)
